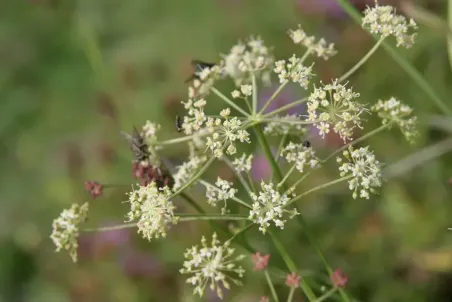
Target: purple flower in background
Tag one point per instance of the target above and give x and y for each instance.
(260, 168)
(137, 263)
(94, 245)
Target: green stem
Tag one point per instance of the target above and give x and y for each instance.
(253, 80)
(241, 231)
(292, 267)
(291, 292)
(362, 61)
(270, 285)
(192, 202)
(327, 295)
(181, 139)
(229, 101)
(323, 186)
(286, 176)
(194, 178)
(250, 180)
(299, 181)
(273, 97)
(238, 200)
(319, 252)
(280, 147)
(182, 217)
(286, 121)
(364, 137)
(286, 107)
(407, 66)
(239, 176)
(268, 153)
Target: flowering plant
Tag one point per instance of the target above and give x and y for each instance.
(334, 106)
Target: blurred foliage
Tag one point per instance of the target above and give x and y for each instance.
(75, 73)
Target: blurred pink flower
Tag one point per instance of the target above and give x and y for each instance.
(260, 168)
(95, 245)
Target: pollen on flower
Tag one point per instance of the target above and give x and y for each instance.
(363, 169)
(222, 191)
(393, 110)
(293, 70)
(153, 210)
(66, 229)
(334, 104)
(301, 155)
(213, 265)
(320, 48)
(383, 20)
(247, 58)
(243, 164)
(269, 206)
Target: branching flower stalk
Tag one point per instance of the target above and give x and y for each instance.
(334, 106)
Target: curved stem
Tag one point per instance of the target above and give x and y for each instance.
(229, 101)
(238, 200)
(325, 185)
(253, 80)
(362, 61)
(273, 97)
(195, 177)
(327, 295)
(365, 136)
(286, 176)
(292, 267)
(241, 231)
(270, 285)
(319, 252)
(286, 107)
(291, 292)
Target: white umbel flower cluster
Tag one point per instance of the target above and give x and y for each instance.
(243, 164)
(393, 110)
(269, 207)
(383, 20)
(213, 265)
(205, 80)
(66, 229)
(223, 191)
(196, 116)
(225, 133)
(320, 48)
(293, 70)
(300, 155)
(246, 58)
(334, 104)
(364, 170)
(153, 210)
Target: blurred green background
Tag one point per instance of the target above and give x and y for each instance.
(75, 73)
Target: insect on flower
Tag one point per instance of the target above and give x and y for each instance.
(179, 124)
(199, 67)
(137, 145)
(306, 144)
